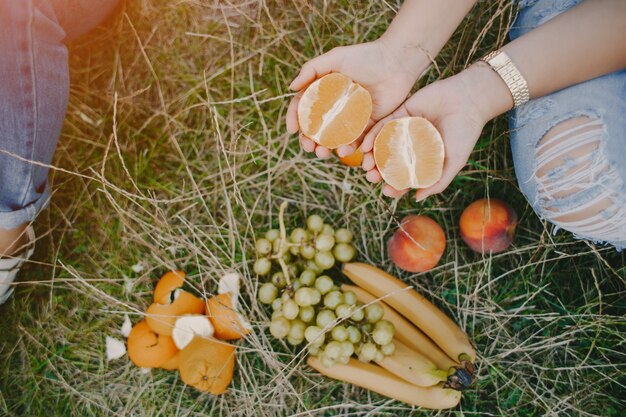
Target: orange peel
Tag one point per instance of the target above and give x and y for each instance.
(161, 317)
(168, 283)
(207, 365)
(227, 322)
(148, 349)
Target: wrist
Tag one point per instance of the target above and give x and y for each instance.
(410, 54)
(487, 90)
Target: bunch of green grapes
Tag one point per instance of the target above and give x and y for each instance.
(307, 304)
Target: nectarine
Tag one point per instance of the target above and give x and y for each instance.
(488, 225)
(417, 245)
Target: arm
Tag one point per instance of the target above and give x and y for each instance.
(582, 43)
(389, 66)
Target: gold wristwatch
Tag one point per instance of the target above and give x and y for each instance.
(502, 64)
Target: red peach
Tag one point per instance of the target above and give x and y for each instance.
(417, 245)
(488, 225)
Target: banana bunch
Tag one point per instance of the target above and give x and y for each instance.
(433, 359)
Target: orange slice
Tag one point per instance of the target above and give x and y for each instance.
(334, 111)
(409, 153)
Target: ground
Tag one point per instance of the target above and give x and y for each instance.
(174, 154)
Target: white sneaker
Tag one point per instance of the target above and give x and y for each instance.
(9, 267)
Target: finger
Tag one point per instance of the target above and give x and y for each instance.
(346, 150)
(291, 119)
(373, 176)
(313, 69)
(307, 144)
(368, 161)
(389, 191)
(368, 140)
(322, 152)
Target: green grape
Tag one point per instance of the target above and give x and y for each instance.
(323, 284)
(325, 360)
(294, 250)
(314, 267)
(344, 252)
(379, 356)
(333, 350)
(316, 296)
(277, 304)
(325, 260)
(287, 257)
(290, 309)
(313, 350)
(304, 297)
(315, 223)
(285, 296)
(307, 251)
(276, 314)
(343, 311)
(325, 318)
(262, 266)
(314, 335)
(297, 329)
(374, 312)
(307, 277)
(344, 360)
(293, 341)
(388, 349)
(293, 270)
(367, 327)
(296, 284)
(324, 243)
(328, 230)
(279, 280)
(383, 332)
(358, 314)
(354, 335)
(339, 333)
(298, 235)
(307, 314)
(279, 327)
(276, 245)
(333, 299)
(263, 247)
(343, 235)
(368, 352)
(268, 293)
(272, 235)
(347, 348)
(349, 297)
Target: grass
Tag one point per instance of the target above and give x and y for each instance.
(174, 154)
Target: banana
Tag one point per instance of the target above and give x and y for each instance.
(413, 306)
(413, 367)
(377, 379)
(406, 332)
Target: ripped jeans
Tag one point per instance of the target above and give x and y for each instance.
(569, 147)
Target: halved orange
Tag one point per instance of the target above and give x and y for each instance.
(148, 349)
(334, 111)
(169, 282)
(409, 153)
(207, 364)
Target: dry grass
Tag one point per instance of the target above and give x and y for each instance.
(174, 154)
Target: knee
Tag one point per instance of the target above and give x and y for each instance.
(577, 188)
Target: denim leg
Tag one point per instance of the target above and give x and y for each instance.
(34, 88)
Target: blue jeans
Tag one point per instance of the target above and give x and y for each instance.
(34, 88)
(568, 147)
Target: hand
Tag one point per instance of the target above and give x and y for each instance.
(387, 71)
(459, 107)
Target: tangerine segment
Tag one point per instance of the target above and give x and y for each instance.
(148, 349)
(409, 153)
(169, 282)
(207, 364)
(227, 322)
(334, 111)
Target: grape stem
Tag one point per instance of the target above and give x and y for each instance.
(284, 245)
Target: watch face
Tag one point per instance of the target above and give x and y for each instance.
(499, 60)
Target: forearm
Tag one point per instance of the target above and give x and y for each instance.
(422, 27)
(583, 43)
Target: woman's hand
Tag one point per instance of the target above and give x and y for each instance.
(459, 107)
(387, 71)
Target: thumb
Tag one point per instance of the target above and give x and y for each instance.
(314, 69)
(447, 176)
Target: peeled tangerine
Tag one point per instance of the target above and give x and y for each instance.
(334, 111)
(148, 349)
(417, 245)
(409, 153)
(488, 225)
(207, 364)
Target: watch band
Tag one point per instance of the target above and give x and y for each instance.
(502, 64)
